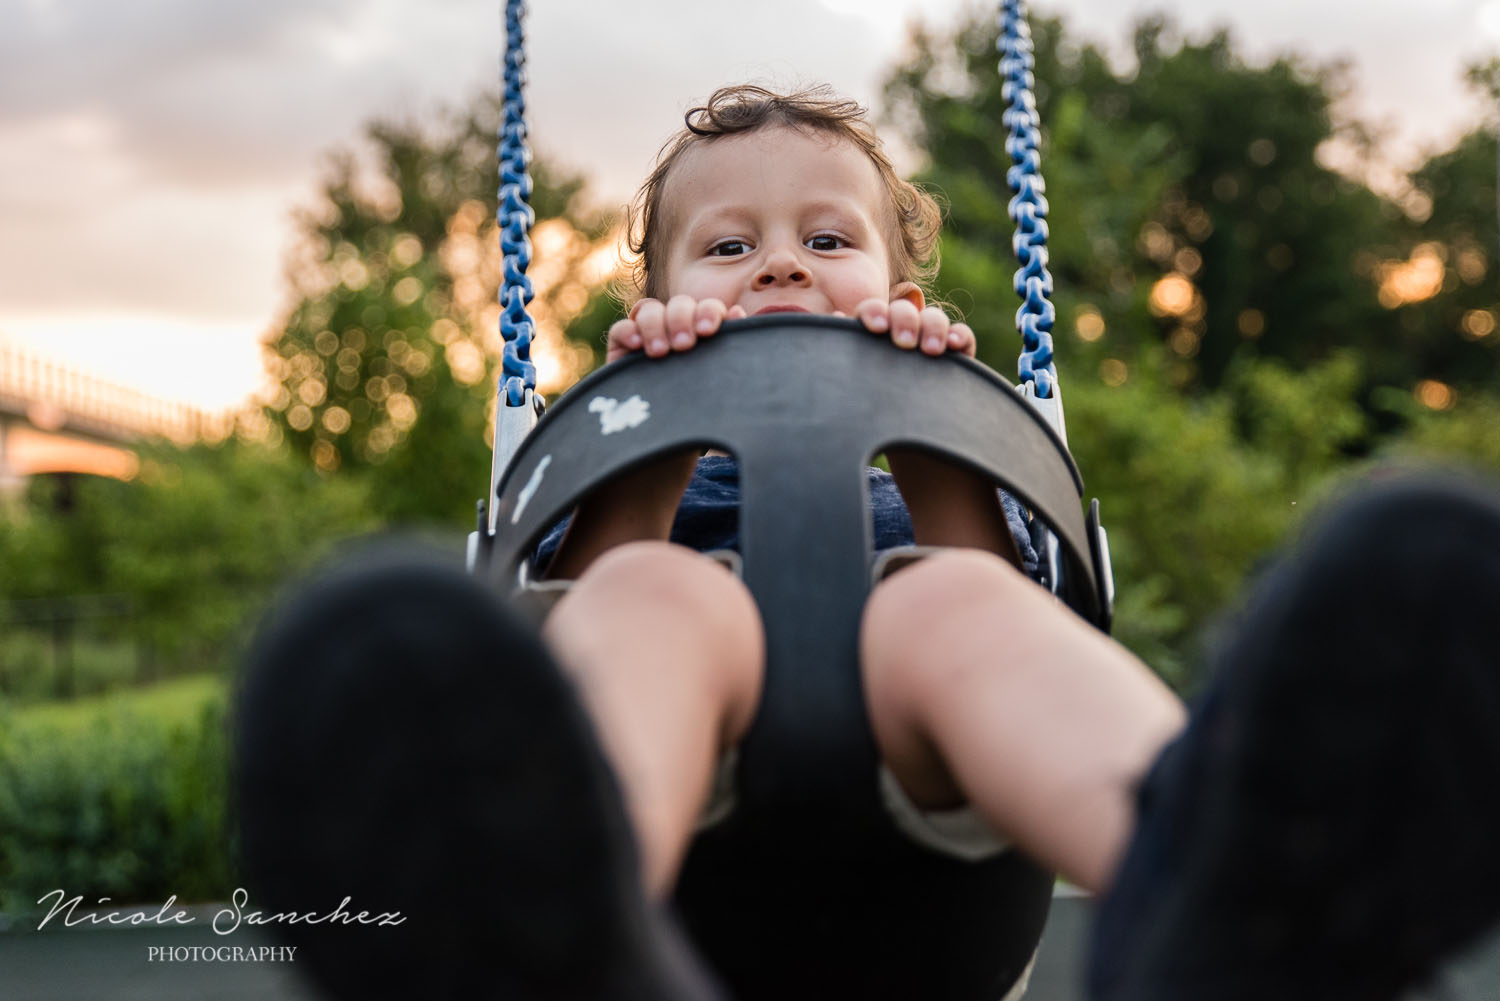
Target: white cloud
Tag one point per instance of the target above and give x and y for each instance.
(1488, 19)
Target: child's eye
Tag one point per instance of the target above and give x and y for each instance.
(729, 248)
(825, 241)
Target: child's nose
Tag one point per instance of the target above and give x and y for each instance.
(781, 267)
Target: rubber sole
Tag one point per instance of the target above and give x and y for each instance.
(405, 742)
(1324, 828)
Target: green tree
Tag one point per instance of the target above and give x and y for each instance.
(1188, 204)
(1450, 333)
(195, 544)
(1463, 435)
(1195, 490)
(387, 360)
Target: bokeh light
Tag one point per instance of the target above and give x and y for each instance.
(1184, 341)
(1251, 323)
(1089, 323)
(1478, 324)
(1172, 295)
(1434, 395)
(1416, 279)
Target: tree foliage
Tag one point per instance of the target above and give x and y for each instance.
(1189, 206)
(194, 545)
(1450, 336)
(387, 360)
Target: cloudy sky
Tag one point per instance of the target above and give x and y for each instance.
(152, 153)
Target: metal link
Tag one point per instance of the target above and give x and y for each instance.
(514, 217)
(519, 405)
(1028, 207)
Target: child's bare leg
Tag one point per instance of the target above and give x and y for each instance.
(981, 686)
(668, 652)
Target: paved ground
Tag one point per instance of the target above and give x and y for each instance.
(112, 964)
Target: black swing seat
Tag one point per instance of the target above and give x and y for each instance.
(808, 890)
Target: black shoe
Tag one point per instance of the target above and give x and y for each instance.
(404, 741)
(1326, 827)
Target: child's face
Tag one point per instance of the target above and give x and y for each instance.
(779, 219)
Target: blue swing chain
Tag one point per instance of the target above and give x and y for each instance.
(514, 217)
(1028, 206)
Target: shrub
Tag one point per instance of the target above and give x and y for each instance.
(127, 808)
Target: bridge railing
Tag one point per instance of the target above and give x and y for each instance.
(54, 397)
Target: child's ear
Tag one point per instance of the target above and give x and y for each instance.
(910, 292)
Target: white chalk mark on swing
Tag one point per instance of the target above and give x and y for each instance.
(530, 488)
(616, 416)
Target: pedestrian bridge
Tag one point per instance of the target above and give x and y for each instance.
(58, 419)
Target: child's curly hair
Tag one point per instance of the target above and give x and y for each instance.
(915, 216)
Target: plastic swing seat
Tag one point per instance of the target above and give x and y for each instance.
(807, 889)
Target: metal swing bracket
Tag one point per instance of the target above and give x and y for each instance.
(512, 425)
(1050, 409)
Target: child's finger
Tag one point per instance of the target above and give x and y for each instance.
(874, 314)
(651, 318)
(680, 310)
(961, 338)
(624, 337)
(707, 317)
(905, 323)
(934, 324)
(736, 312)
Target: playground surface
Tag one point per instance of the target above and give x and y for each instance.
(114, 964)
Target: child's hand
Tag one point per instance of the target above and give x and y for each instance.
(660, 328)
(909, 327)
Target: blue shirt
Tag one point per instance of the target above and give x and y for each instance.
(708, 517)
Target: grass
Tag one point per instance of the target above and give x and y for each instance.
(179, 700)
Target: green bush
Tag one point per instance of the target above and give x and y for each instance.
(1195, 492)
(1464, 435)
(127, 807)
(183, 556)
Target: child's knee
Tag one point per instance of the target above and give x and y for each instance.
(654, 594)
(670, 575)
(907, 608)
(917, 620)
